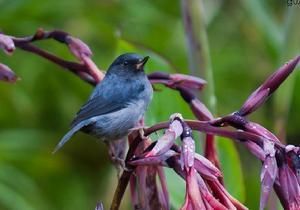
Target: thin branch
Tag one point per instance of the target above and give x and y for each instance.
(76, 68)
(125, 177)
(206, 127)
(86, 69)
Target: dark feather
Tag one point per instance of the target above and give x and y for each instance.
(95, 107)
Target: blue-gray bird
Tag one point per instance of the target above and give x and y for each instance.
(117, 103)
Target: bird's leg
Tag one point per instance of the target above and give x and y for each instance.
(116, 151)
(140, 130)
(140, 126)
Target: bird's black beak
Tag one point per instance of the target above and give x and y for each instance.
(142, 62)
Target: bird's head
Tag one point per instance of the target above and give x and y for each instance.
(129, 62)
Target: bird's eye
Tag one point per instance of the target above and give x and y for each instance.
(125, 63)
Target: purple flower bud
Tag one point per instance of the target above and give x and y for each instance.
(200, 110)
(254, 101)
(165, 142)
(7, 44)
(193, 199)
(268, 173)
(208, 197)
(259, 96)
(282, 174)
(187, 152)
(6, 74)
(154, 160)
(177, 80)
(99, 206)
(78, 47)
(83, 53)
(268, 176)
(206, 168)
(255, 149)
(258, 129)
(276, 79)
(187, 81)
(233, 202)
(222, 195)
(187, 94)
(289, 186)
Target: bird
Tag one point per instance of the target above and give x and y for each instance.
(116, 104)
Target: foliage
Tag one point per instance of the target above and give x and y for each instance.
(248, 39)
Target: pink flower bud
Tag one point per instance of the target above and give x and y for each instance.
(187, 152)
(268, 173)
(255, 149)
(177, 80)
(6, 74)
(254, 101)
(99, 206)
(193, 199)
(208, 197)
(78, 47)
(186, 81)
(154, 160)
(289, 186)
(165, 142)
(259, 96)
(200, 110)
(7, 44)
(260, 130)
(206, 168)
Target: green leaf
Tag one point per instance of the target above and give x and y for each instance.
(22, 184)
(10, 199)
(264, 21)
(231, 167)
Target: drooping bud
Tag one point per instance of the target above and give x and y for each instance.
(6, 74)
(260, 95)
(7, 44)
(78, 47)
(268, 173)
(165, 142)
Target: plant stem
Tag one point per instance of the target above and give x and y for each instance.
(198, 46)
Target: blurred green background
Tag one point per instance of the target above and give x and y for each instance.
(248, 40)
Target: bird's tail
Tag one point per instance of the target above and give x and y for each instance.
(66, 137)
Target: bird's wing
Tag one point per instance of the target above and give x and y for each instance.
(96, 106)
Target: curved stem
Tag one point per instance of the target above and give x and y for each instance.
(206, 127)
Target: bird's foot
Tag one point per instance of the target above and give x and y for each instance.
(116, 150)
(140, 130)
(119, 164)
